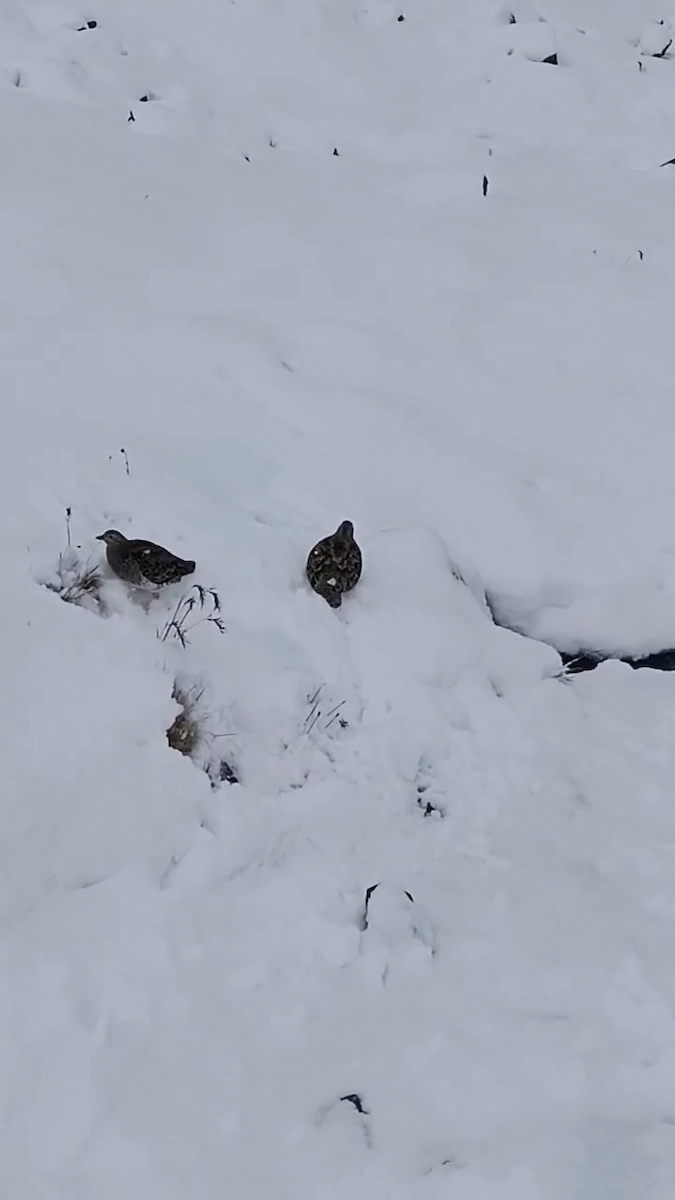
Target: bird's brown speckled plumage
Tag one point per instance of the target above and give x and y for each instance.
(143, 564)
(334, 565)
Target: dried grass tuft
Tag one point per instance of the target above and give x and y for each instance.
(186, 732)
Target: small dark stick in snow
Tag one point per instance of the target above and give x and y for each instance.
(486, 184)
(131, 117)
(334, 565)
(656, 40)
(335, 153)
(355, 1099)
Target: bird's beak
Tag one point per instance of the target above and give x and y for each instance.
(100, 537)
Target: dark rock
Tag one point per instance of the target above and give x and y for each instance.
(662, 660)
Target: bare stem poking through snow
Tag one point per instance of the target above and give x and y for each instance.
(198, 600)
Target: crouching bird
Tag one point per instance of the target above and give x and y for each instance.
(142, 564)
(334, 565)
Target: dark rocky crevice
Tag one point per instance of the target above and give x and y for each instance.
(660, 660)
(586, 659)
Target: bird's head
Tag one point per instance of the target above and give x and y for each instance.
(110, 537)
(345, 531)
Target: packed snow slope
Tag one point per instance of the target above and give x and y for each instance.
(267, 267)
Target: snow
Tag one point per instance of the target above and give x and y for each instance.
(220, 335)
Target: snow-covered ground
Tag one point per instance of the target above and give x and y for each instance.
(219, 334)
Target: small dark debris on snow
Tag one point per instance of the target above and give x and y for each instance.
(273, 144)
(355, 1099)
(401, 18)
(364, 917)
(335, 153)
(427, 807)
(247, 158)
(369, 892)
(664, 52)
(88, 25)
(131, 117)
(486, 184)
(670, 162)
(512, 18)
(226, 774)
(552, 60)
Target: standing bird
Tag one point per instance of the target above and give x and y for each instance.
(334, 565)
(142, 564)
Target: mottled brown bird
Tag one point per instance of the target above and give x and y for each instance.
(141, 563)
(334, 565)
